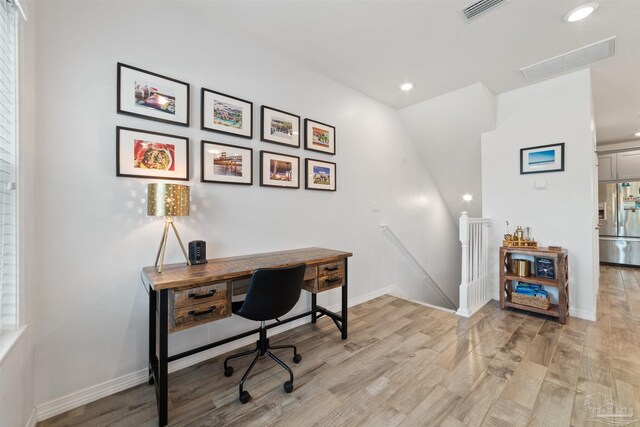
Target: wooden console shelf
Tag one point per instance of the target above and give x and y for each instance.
(561, 280)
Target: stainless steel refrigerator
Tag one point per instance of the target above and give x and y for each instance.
(619, 215)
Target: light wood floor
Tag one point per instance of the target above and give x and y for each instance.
(406, 364)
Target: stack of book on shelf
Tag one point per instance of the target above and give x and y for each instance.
(531, 295)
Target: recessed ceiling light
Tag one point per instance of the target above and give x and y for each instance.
(467, 197)
(581, 12)
(406, 86)
(637, 134)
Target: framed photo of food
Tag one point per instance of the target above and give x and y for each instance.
(226, 114)
(279, 170)
(146, 154)
(279, 127)
(224, 163)
(152, 96)
(320, 175)
(319, 137)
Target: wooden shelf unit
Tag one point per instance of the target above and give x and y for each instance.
(561, 265)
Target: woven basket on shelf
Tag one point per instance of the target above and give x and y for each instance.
(543, 303)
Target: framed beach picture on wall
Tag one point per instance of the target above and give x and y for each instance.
(226, 114)
(543, 158)
(224, 163)
(279, 127)
(320, 175)
(152, 96)
(146, 154)
(319, 137)
(279, 170)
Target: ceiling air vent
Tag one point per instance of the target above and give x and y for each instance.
(570, 60)
(480, 7)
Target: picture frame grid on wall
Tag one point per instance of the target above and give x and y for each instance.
(542, 159)
(226, 114)
(225, 163)
(148, 154)
(279, 127)
(279, 170)
(152, 96)
(320, 175)
(319, 137)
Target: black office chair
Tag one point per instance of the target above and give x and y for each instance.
(272, 293)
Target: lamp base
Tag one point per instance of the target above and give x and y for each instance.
(163, 244)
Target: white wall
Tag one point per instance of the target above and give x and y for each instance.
(92, 232)
(553, 111)
(447, 131)
(17, 369)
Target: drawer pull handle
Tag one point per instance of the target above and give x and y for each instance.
(334, 268)
(200, 296)
(334, 279)
(202, 313)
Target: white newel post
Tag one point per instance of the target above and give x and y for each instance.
(463, 309)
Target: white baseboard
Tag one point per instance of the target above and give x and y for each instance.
(397, 292)
(93, 393)
(583, 314)
(33, 419)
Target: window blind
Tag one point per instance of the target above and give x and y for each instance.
(8, 167)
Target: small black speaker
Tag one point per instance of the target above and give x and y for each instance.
(198, 252)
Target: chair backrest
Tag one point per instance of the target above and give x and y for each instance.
(273, 292)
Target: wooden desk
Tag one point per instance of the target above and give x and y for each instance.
(183, 296)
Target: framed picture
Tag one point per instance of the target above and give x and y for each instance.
(279, 170)
(226, 114)
(279, 127)
(225, 163)
(545, 267)
(544, 158)
(146, 154)
(320, 175)
(152, 96)
(319, 137)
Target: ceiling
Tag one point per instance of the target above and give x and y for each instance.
(374, 46)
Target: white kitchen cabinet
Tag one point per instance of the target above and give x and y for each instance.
(628, 165)
(607, 167)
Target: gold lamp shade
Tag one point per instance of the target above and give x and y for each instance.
(168, 200)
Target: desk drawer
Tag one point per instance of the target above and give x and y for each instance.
(329, 282)
(193, 315)
(331, 269)
(201, 294)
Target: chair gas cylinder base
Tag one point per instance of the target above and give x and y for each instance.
(272, 293)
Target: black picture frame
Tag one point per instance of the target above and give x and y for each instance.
(246, 131)
(268, 138)
(543, 166)
(121, 170)
(273, 183)
(203, 145)
(308, 145)
(310, 186)
(123, 109)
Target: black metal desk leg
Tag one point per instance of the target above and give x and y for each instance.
(152, 332)
(345, 299)
(314, 307)
(163, 362)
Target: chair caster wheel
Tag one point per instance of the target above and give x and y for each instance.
(288, 386)
(245, 397)
(228, 371)
(297, 358)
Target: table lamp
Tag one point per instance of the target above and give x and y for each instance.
(168, 200)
